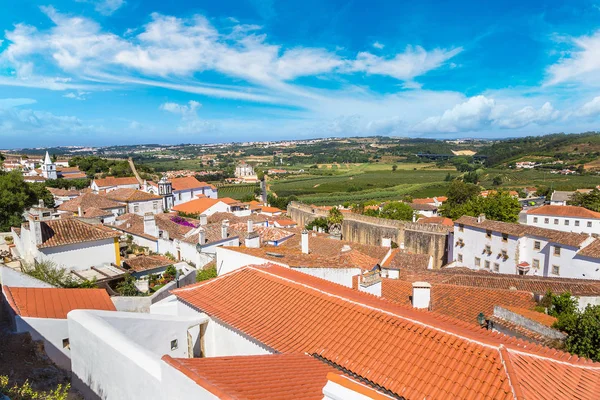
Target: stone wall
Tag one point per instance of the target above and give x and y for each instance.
(417, 238)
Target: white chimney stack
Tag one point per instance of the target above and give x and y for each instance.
(224, 226)
(150, 225)
(421, 294)
(386, 242)
(481, 218)
(304, 242)
(79, 211)
(201, 236)
(253, 240)
(401, 246)
(414, 217)
(250, 226)
(203, 219)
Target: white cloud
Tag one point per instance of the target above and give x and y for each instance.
(79, 95)
(415, 61)
(15, 102)
(589, 109)
(190, 121)
(473, 114)
(105, 7)
(582, 64)
(15, 122)
(528, 115)
(181, 109)
(378, 45)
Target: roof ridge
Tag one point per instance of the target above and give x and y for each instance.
(511, 374)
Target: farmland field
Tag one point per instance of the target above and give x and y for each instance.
(236, 191)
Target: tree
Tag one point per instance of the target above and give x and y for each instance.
(499, 206)
(394, 167)
(15, 197)
(334, 220)
(320, 222)
(471, 177)
(590, 200)
(497, 181)
(397, 210)
(460, 192)
(41, 193)
(127, 286)
(205, 274)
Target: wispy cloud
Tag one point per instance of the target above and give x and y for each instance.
(105, 7)
(580, 64)
(378, 45)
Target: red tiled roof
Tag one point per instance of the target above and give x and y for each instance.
(61, 232)
(144, 263)
(436, 220)
(229, 200)
(273, 377)
(457, 301)
(187, 183)
(271, 210)
(286, 222)
(565, 211)
(127, 195)
(566, 238)
(112, 181)
(591, 250)
(88, 200)
(55, 302)
(428, 200)
(412, 353)
(400, 259)
(542, 318)
(196, 206)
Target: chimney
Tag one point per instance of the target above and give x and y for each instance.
(150, 225)
(414, 217)
(250, 226)
(80, 211)
(314, 228)
(35, 227)
(386, 242)
(421, 294)
(401, 245)
(224, 226)
(304, 242)
(41, 203)
(203, 219)
(201, 236)
(253, 240)
(481, 218)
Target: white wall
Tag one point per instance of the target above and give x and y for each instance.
(230, 260)
(374, 289)
(144, 207)
(342, 276)
(562, 223)
(475, 241)
(80, 256)
(183, 196)
(177, 386)
(10, 277)
(52, 332)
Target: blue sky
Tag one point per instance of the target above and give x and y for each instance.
(99, 72)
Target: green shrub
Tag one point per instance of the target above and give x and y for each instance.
(26, 392)
(206, 274)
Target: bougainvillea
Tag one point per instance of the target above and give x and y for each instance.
(181, 221)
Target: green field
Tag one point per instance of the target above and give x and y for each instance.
(236, 191)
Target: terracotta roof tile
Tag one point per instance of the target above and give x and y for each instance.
(88, 200)
(591, 250)
(127, 195)
(277, 376)
(145, 263)
(436, 220)
(412, 353)
(542, 318)
(55, 302)
(566, 238)
(134, 224)
(187, 183)
(61, 232)
(271, 210)
(400, 259)
(457, 301)
(565, 211)
(112, 181)
(197, 206)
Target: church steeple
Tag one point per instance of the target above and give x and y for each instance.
(165, 189)
(49, 168)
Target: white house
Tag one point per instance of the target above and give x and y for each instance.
(243, 169)
(69, 243)
(185, 189)
(560, 198)
(90, 205)
(565, 218)
(111, 183)
(43, 313)
(508, 248)
(137, 201)
(202, 206)
(62, 195)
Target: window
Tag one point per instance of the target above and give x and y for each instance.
(535, 220)
(566, 222)
(505, 237)
(488, 249)
(577, 223)
(461, 228)
(557, 250)
(477, 262)
(460, 258)
(155, 205)
(488, 234)
(546, 220)
(535, 263)
(537, 245)
(589, 224)
(487, 264)
(496, 267)
(555, 270)
(555, 221)
(136, 208)
(66, 344)
(504, 254)
(174, 344)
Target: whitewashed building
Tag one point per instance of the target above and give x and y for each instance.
(565, 218)
(111, 183)
(509, 248)
(137, 201)
(49, 168)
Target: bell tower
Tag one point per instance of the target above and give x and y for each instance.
(49, 168)
(165, 189)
